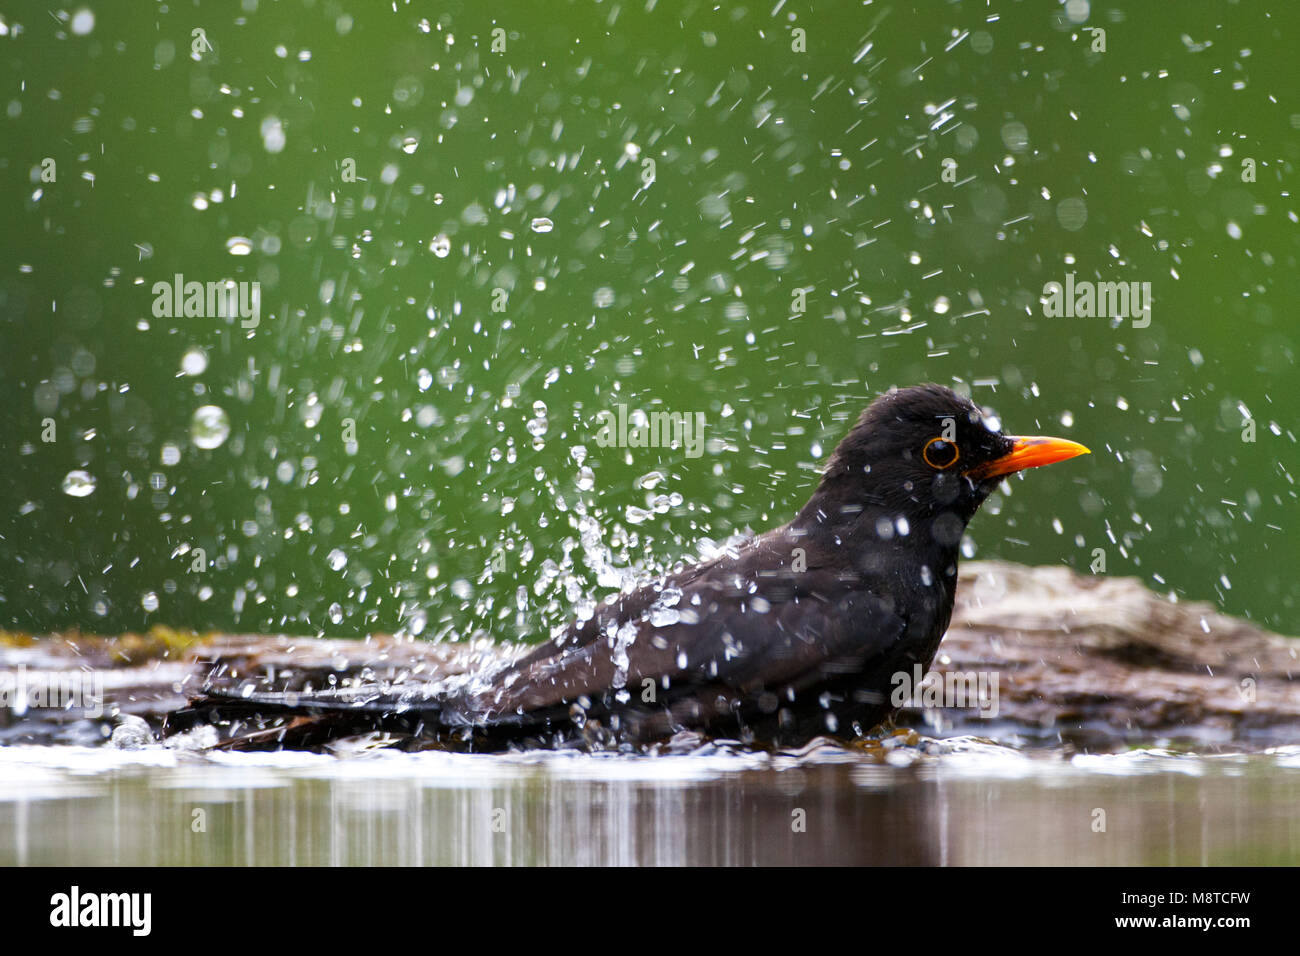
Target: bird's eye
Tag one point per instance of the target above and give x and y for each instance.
(939, 453)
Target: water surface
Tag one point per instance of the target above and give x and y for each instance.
(977, 803)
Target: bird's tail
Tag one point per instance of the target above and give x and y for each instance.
(267, 720)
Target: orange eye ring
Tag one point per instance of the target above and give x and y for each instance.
(940, 466)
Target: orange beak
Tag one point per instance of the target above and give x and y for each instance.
(1029, 451)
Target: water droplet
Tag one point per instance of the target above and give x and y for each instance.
(78, 483)
(1072, 214)
(83, 21)
(239, 245)
(419, 620)
(337, 560)
(649, 480)
(272, 131)
(311, 410)
(194, 362)
(664, 616)
(440, 246)
(541, 225)
(209, 427)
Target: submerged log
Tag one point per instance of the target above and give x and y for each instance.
(1098, 662)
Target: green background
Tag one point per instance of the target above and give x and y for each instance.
(775, 171)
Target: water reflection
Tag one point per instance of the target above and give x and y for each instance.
(987, 806)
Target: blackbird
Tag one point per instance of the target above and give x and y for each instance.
(797, 632)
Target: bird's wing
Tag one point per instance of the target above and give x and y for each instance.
(715, 631)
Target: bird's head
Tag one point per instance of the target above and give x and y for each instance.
(924, 451)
